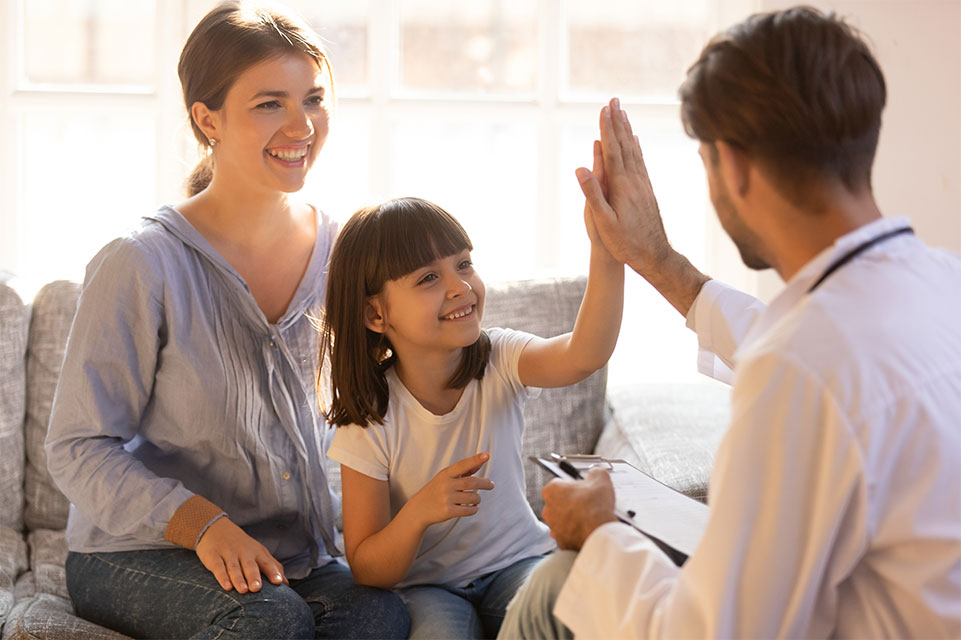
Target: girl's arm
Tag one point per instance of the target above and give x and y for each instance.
(571, 357)
(381, 550)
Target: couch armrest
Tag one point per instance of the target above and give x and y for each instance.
(669, 431)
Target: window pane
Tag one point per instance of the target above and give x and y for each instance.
(89, 41)
(87, 175)
(339, 183)
(343, 26)
(640, 48)
(484, 174)
(478, 47)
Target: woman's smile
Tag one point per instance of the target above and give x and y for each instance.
(290, 156)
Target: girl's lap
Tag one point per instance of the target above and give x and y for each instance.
(474, 611)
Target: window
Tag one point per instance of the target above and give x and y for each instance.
(485, 107)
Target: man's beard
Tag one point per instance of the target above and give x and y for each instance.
(747, 242)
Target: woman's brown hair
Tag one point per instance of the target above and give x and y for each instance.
(231, 38)
(376, 245)
(798, 90)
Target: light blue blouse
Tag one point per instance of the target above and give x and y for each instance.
(175, 384)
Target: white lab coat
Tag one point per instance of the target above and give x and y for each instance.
(836, 493)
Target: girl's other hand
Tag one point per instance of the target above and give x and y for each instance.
(236, 559)
(453, 492)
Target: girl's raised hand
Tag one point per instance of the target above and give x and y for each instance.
(453, 492)
(598, 171)
(597, 243)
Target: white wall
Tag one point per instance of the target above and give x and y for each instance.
(917, 171)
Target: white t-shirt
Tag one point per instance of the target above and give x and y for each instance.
(836, 493)
(413, 444)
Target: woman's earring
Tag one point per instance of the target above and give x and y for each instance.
(213, 142)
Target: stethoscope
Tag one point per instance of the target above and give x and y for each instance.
(853, 253)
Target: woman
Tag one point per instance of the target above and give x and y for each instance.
(185, 429)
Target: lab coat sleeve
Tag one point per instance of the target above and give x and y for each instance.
(787, 525)
(721, 316)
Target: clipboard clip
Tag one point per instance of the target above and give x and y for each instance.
(578, 460)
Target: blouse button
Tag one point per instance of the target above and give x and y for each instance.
(285, 475)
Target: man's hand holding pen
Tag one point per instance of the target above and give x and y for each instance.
(574, 508)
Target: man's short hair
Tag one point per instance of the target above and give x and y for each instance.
(798, 90)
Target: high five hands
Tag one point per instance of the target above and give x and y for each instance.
(626, 214)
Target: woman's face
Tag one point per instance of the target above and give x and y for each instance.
(273, 123)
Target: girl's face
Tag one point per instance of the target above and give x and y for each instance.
(273, 124)
(435, 308)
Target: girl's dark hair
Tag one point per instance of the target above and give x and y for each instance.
(231, 38)
(378, 244)
(798, 90)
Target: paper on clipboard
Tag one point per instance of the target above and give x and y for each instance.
(658, 510)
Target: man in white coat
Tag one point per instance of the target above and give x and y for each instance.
(836, 492)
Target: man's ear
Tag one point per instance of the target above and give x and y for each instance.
(374, 318)
(734, 165)
(208, 121)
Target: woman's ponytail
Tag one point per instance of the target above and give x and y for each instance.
(201, 175)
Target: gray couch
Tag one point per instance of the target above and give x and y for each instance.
(670, 431)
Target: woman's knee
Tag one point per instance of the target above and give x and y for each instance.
(136, 592)
(276, 611)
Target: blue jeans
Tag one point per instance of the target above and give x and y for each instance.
(168, 593)
(474, 611)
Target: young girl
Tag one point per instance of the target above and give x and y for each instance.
(184, 428)
(430, 414)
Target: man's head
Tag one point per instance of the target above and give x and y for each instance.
(799, 92)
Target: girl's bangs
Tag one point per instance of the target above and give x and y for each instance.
(413, 233)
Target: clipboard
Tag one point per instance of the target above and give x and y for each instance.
(672, 520)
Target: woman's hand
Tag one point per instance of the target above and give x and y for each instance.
(452, 493)
(236, 559)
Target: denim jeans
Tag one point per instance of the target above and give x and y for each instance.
(474, 611)
(168, 593)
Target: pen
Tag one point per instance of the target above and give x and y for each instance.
(567, 467)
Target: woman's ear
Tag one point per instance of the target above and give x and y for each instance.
(208, 121)
(374, 315)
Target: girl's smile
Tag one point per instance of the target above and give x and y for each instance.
(461, 313)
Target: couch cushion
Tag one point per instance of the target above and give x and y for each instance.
(14, 319)
(669, 431)
(52, 618)
(13, 562)
(568, 419)
(48, 554)
(53, 311)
